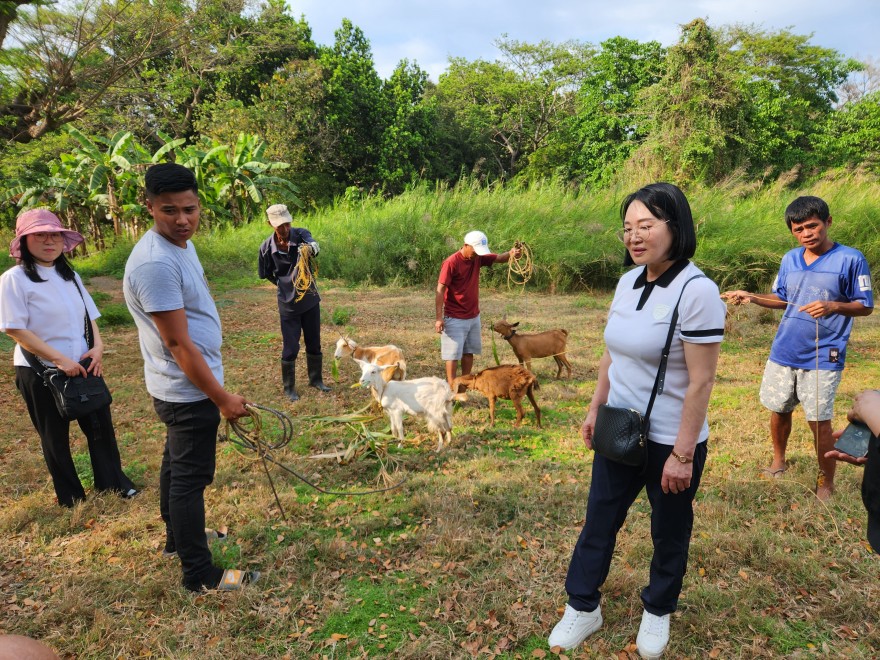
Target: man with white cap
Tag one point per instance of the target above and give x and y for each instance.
(457, 302)
(300, 312)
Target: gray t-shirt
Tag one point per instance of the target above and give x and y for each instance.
(162, 277)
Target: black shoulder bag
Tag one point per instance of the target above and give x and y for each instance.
(75, 396)
(621, 434)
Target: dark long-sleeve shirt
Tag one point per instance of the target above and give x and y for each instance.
(277, 266)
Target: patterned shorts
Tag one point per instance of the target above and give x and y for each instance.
(460, 336)
(784, 387)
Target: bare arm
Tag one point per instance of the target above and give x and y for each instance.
(439, 297)
(30, 342)
(701, 361)
(819, 308)
(768, 300)
(600, 396)
(174, 330)
(504, 258)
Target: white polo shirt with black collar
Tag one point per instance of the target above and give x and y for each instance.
(638, 323)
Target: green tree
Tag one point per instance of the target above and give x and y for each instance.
(68, 59)
(697, 111)
(408, 140)
(515, 104)
(791, 88)
(608, 124)
(356, 109)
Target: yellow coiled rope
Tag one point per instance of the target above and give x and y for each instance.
(305, 272)
(519, 269)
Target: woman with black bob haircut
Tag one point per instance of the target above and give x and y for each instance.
(43, 307)
(666, 202)
(658, 233)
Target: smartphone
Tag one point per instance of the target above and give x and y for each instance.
(854, 440)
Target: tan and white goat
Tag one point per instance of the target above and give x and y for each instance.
(428, 397)
(527, 346)
(508, 381)
(381, 355)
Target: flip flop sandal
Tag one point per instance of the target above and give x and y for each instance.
(234, 579)
(773, 474)
(220, 535)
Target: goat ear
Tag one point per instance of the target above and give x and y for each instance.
(515, 324)
(361, 363)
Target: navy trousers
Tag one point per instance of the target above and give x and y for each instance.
(54, 432)
(613, 489)
(307, 324)
(188, 465)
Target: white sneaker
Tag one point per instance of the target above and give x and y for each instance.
(575, 627)
(653, 635)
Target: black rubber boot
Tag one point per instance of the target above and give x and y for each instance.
(313, 363)
(288, 378)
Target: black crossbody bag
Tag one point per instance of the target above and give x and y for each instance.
(621, 434)
(74, 396)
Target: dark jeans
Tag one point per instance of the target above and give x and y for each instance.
(613, 489)
(54, 432)
(188, 464)
(307, 324)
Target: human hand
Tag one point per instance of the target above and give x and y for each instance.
(96, 355)
(819, 308)
(868, 400)
(314, 246)
(676, 476)
(233, 406)
(70, 367)
(844, 457)
(588, 427)
(439, 326)
(516, 252)
(737, 297)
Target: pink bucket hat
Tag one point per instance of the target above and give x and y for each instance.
(37, 221)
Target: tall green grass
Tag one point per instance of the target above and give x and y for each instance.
(741, 233)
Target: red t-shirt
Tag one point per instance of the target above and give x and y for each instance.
(462, 279)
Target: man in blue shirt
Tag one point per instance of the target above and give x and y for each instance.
(821, 286)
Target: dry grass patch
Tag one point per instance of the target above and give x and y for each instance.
(468, 557)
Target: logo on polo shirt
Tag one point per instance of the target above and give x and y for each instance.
(661, 312)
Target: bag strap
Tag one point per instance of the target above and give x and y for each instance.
(38, 365)
(664, 358)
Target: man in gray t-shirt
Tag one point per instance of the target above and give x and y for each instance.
(180, 338)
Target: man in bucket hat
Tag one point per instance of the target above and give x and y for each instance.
(300, 312)
(457, 302)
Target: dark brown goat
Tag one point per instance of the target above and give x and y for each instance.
(535, 345)
(508, 381)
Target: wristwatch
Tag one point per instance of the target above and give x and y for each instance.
(681, 458)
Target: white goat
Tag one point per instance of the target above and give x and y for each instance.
(381, 355)
(428, 397)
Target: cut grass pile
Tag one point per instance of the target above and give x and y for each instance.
(468, 557)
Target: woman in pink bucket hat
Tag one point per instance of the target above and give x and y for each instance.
(44, 307)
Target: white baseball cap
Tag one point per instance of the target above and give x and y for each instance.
(478, 241)
(278, 215)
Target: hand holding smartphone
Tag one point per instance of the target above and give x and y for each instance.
(854, 440)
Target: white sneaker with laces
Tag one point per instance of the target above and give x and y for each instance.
(653, 635)
(575, 627)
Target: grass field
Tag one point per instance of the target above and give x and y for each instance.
(468, 557)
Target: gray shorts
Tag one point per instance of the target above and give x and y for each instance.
(460, 336)
(782, 388)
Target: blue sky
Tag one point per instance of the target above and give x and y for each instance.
(429, 32)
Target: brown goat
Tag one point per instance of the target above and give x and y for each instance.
(535, 345)
(508, 381)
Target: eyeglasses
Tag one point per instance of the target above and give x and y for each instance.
(642, 231)
(46, 237)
